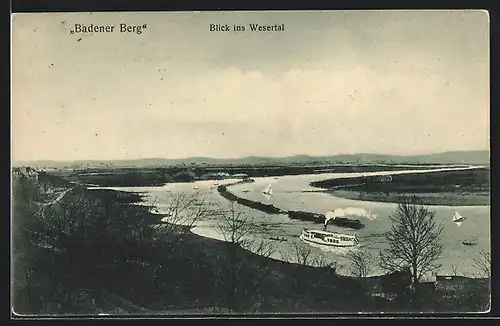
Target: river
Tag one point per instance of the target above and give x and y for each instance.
(294, 193)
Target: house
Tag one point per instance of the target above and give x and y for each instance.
(396, 283)
(427, 283)
(222, 175)
(386, 178)
(428, 278)
(26, 172)
(451, 283)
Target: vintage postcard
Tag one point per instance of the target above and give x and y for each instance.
(250, 162)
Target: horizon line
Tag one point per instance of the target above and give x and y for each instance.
(247, 156)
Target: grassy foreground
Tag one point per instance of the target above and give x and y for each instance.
(93, 251)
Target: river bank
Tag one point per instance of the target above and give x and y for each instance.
(292, 194)
(95, 249)
(447, 188)
(269, 285)
(158, 176)
(299, 215)
(124, 252)
(430, 199)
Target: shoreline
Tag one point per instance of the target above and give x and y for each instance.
(158, 176)
(356, 188)
(142, 277)
(442, 199)
(467, 187)
(371, 286)
(293, 215)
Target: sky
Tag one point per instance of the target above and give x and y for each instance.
(333, 82)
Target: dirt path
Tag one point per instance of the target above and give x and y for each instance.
(58, 198)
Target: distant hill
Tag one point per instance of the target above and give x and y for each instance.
(456, 157)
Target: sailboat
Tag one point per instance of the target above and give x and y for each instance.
(268, 190)
(195, 186)
(458, 219)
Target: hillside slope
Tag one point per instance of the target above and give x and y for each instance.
(455, 157)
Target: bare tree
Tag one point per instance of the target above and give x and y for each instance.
(183, 211)
(483, 262)
(262, 248)
(235, 225)
(482, 291)
(319, 260)
(300, 254)
(254, 278)
(285, 256)
(361, 263)
(304, 255)
(414, 240)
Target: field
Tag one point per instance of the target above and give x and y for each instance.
(155, 176)
(453, 188)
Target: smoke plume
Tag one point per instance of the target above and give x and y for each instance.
(349, 211)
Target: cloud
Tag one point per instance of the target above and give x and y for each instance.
(325, 89)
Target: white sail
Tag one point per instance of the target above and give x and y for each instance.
(458, 219)
(195, 186)
(268, 190)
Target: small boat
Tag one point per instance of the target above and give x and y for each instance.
(458, 219)
(245, 190)
(346, 222)
(268, 190)
(216, 183)
(342, 221)
(331, 239)
(469, 242)
(195, 186)
(282, 239)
